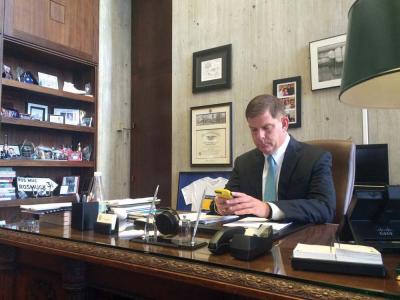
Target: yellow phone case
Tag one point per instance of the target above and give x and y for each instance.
(223, 193)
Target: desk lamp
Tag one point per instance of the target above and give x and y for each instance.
(371, 79)
(371, 70)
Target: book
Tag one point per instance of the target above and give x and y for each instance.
(46, 208)
(59, 218)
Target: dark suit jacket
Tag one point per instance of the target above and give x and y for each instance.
(305, 191)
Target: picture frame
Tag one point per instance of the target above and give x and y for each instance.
(326, 62)
(56, 119)
(289, 91)
(71, 116)
(87, 121)
(38, 111)
(13, 150)
(48, 81)
(211, 135)
(69, 185)
(212, 69)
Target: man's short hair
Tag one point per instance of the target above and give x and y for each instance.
(262, 103)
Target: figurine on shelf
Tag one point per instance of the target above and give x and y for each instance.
(7, 73)
(87, 152)
(5, 151)
(27, 150)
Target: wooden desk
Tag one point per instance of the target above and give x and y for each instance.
(66, 264)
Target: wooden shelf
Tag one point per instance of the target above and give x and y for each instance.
(46, 163)
(45, 91)
(27, 201)
(48, 125)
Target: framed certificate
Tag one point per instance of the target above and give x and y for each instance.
(211, 135)
(212, 69)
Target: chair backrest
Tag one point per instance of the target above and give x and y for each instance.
(343, 171)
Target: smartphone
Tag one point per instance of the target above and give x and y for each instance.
(223, 193)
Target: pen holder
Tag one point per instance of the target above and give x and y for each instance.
(105, 228)
(245, 247)
(84, 215)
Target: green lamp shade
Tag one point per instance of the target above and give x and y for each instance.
(371, 70)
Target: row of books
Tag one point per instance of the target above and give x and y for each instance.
(7, 190)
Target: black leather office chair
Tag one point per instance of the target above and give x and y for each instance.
(343, 171)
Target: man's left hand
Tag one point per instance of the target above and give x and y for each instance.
(243, 204)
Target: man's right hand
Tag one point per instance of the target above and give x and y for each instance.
(221, 207)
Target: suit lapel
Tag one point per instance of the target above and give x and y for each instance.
(289, 163)
(259, 167)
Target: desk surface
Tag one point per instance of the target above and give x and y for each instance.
(266, 275)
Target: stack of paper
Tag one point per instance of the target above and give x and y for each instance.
(131, 208)
(339, 252)
(207, 219)
(357, 254)
(254, 222)
(314, 252)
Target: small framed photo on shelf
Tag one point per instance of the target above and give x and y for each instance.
(211, 135)
(327, 57)
(10, 113)
(212, 69)
(11, 151)
(75, 155)
(87, 121)
(289, 91)
(69, 185)
(71, 116)
(47, 80)
(56, 119)
(38, 111)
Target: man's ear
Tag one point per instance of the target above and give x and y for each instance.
(285, 122)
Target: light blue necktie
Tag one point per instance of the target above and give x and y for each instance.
(270, 184)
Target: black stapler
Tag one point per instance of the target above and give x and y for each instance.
(220, 241)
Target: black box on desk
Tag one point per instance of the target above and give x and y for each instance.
(84, 215)
(104, 228)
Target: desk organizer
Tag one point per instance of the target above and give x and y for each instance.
(84, 215)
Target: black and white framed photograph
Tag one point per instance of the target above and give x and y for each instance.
(71, 116)
(38, 111)
(289, 91)
(211, 135)
(327, 57)
(69, 185)
(10, 151)
(212, 69)
(56, 119)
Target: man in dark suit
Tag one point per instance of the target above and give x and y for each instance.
(300, 172)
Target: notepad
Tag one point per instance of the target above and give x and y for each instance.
(339, 252)
(341, 258)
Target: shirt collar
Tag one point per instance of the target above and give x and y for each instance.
(280, 152)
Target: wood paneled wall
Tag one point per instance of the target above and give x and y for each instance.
(270, 40)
